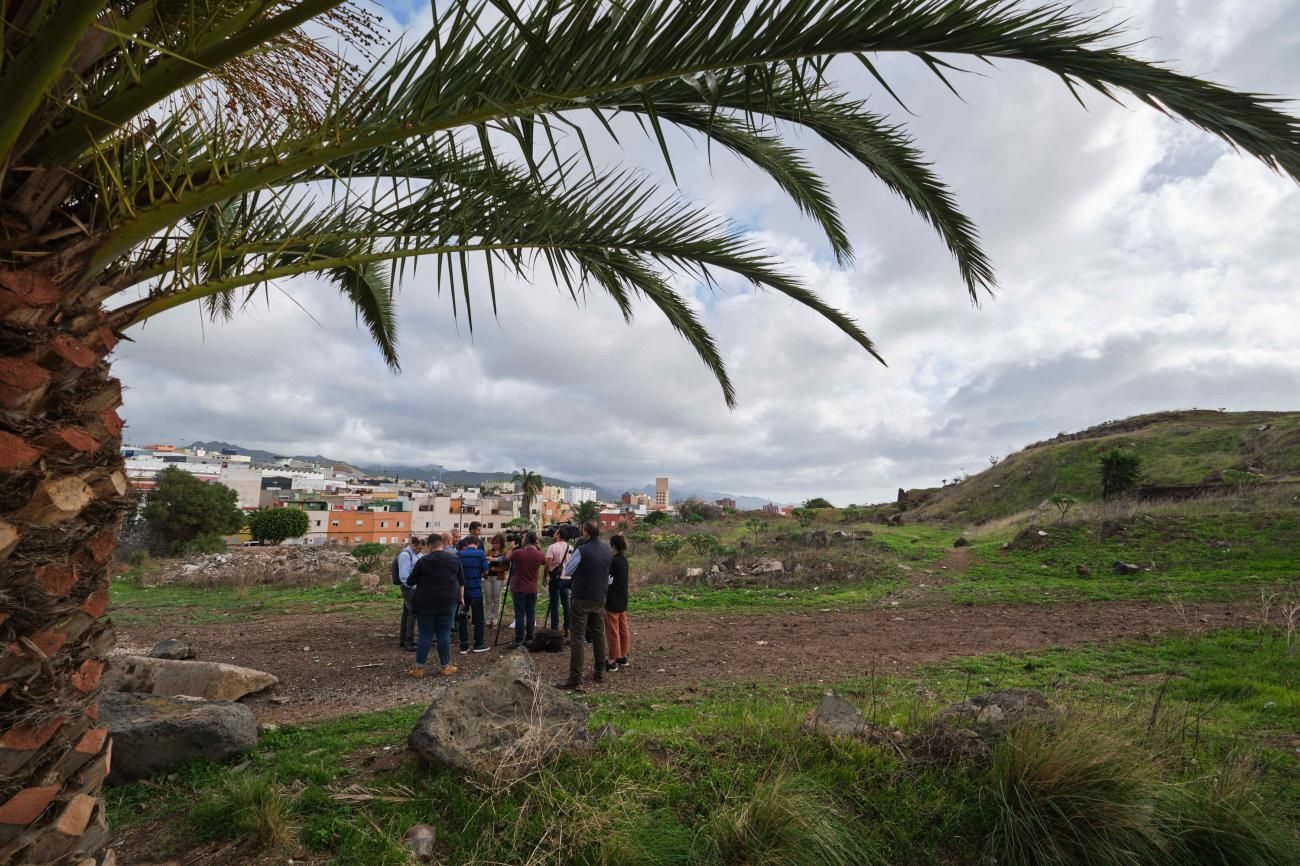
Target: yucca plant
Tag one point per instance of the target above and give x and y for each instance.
(155, 153)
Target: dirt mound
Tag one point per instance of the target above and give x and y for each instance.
(287, 566)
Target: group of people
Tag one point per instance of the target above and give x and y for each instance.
(448, 581)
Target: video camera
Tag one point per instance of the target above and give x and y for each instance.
(564, 531)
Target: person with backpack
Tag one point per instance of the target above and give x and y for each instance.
(438, 584)
(557, 555)
(526, 561)
(589, 567)
(617, 633)
(474, 564)
(402, 565)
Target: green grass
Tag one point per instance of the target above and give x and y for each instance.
(722, 774)
(1174, 447)
(134, 603)
(1191, 556)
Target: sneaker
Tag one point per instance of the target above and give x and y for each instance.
(611, 666)
(572, 684)
(481, 649)
(449, 670)
(410, 649)
(418, 673)
(623, 662)
(464, 650)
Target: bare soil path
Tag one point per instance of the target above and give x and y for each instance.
(330, 666)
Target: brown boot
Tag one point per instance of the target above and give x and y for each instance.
(571, 684)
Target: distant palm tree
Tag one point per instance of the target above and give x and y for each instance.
(530, 484)
(158, 153)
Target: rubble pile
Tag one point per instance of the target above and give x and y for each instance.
(289, 566)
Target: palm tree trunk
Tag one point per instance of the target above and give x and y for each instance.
(62, 499)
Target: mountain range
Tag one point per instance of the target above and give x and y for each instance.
(435, 472)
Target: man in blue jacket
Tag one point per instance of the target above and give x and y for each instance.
(474, 563)
(589, 568)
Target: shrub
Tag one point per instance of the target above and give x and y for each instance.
(805, 516)
(784, 822)
(369, 556)
(274, 525)
(702, 543)
(1120, 472)
(1068, 798)
(667, 546)
(1063, 504)
(754, 525)
(655, 518)
(697, 511)
(818, 502)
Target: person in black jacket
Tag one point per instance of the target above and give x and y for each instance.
(617, 633)
(589, 569)
(439, 583)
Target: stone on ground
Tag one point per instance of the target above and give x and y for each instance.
(419, 841)
(963, 541)
(172, 648)
(836, 717)
(151, 733)
(1126, 568)
(501, 723)
(212, 680)
(992, 714)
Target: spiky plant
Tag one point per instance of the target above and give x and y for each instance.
(155, 153)
(530, 485)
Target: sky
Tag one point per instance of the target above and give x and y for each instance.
(1142, 266)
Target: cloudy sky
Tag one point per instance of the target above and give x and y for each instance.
(1142, 266)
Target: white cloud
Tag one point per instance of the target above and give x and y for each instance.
(1142, 266)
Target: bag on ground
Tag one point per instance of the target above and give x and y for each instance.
(546, 640)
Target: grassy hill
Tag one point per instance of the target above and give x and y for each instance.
(1175, 448)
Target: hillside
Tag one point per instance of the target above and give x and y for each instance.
(1175, 448)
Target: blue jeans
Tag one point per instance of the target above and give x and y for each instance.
(525, 613)
(559, 590)
(435, 623)
(473, 606)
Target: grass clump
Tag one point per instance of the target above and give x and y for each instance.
(1067, 797)
(249, 807)
(1220, 821)
(788, 821)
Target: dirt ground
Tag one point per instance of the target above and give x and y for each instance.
(331, 666)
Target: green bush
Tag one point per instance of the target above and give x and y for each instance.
(702, 543)
(247, 806)
(1218, 821)
(666, 547)
(274, 525)
(1120, 472)
(370, 556)
(184, 514)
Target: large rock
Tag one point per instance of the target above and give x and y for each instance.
(172, 648)
(836, 717)
(152, 733)
(769, 566)
(992, 714)
(212, 680)
(817, 538)
(501, 724)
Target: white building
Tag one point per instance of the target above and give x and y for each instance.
(581, 494)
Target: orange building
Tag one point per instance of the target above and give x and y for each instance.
(362, 527)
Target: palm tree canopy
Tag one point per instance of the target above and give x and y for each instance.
(154, 153)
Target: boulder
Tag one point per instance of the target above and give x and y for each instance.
(817, 538)
(502, 723)
(212, 680)
(836, 717)
(172, 648)
(961, 542)
(419, 842)
(768, 566)
(152, 733)
(693, 573)
(1126, 567)
(992, 714)
(1083, 571)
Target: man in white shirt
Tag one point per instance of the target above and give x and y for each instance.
(405, 562)
(557, 555)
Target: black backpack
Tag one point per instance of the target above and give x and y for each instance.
(397, 580)
(546, 640)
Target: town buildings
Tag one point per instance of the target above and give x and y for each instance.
(661, 493)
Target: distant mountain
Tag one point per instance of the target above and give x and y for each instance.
(469, 478)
